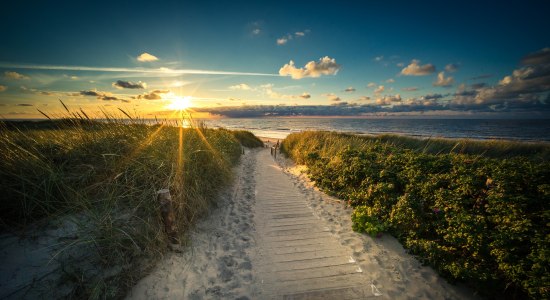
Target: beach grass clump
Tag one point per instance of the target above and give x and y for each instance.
(247, 138)
(486, 148)
(103, 177)
(473, 217)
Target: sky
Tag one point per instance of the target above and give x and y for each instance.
(276, 58)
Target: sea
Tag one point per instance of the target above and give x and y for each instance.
(484, 129)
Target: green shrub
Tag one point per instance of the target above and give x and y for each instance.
(365, 220)
(475, 218)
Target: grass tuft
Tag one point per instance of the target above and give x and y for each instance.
(247, 138)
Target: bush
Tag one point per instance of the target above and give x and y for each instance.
(474, 218)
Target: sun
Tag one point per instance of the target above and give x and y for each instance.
(180, 103)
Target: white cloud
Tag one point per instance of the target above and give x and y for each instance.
(332, 97)
(379, 58)
(325, 66)
(349, 89)
(146, 57)
(298, 34)
(3, 88)
(241, 86)
(379, 89)
(410, 89)
(305, 95)
(15, 75)
(400, 65)
(391, 80)
(371, 85)
(282, 41)
(256, 31)
(153, 95)
(415, 69)
(442, 81)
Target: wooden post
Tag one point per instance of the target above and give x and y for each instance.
(167, 212)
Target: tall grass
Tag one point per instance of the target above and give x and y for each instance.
(328, 143)
(104, 176)
(247, 138)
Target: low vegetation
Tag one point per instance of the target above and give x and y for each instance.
(247, 138)
(476, 211)
(104, 176)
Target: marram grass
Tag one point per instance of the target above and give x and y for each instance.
(104, 176)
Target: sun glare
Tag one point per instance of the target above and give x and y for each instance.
(180, 103)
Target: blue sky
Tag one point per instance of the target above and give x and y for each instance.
(383, 58)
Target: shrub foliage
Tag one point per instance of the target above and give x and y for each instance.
(478, 219)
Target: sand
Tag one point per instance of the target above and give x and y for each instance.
(275, 236)
(32, 262)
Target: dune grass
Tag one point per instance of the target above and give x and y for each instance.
(476, 211)
(247, 138)
(104, 176)
(486, 148)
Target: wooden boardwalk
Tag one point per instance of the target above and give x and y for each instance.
(298, 257)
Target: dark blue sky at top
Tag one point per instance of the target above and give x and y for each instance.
(480, 37)
(96, 33)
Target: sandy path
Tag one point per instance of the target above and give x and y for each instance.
(275, 236)
(216, 265)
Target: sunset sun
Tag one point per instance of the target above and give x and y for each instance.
(180, 103)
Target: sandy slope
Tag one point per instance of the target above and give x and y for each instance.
(276, 236)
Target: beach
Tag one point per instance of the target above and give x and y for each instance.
(273, 235)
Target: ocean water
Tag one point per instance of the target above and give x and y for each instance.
(524, 130)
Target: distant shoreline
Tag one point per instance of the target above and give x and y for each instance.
(529, 131)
